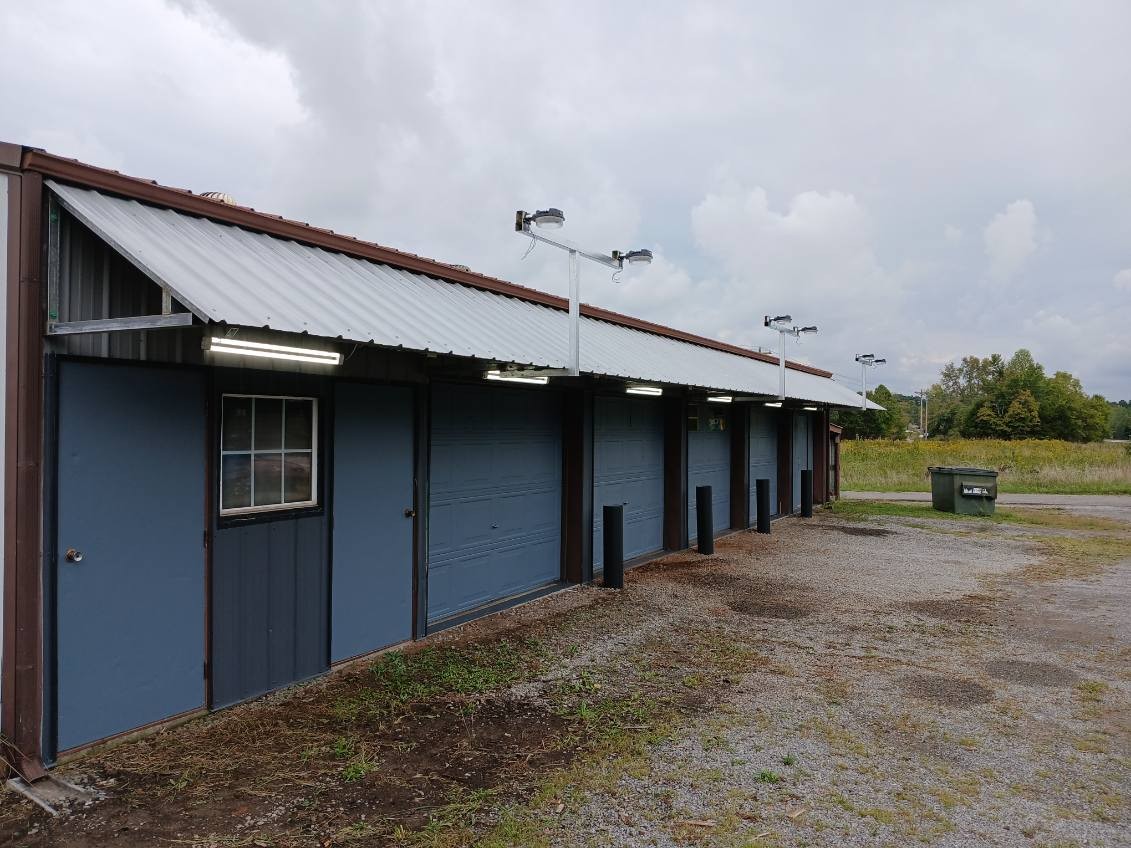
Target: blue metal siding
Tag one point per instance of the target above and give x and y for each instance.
(269, 606)
(372, 550)
(628, 468)
(763, 457)
(495, 508)
(802, 451)
(708, 464)
(130, 615)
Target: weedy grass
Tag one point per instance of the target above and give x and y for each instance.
(1042, 466)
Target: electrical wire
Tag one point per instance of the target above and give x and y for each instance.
(533, 244)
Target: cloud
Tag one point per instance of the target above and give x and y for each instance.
(850, 191)
(1122, 280)
(1011, 238)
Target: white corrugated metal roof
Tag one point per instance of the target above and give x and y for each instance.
(235, 276)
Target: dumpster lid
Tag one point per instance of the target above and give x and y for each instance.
(944, 469)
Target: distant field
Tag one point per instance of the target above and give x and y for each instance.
(1032, 465)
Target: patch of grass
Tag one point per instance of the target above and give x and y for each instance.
(1032, 465)
(1078, 556)
(401, 678)
(789, 760)
(767, 776)
(357, 768)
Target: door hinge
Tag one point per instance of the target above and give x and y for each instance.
(204, 540)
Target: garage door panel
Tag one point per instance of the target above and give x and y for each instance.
(763, 457)
(708, 464)
(628, 469)
(495, 498)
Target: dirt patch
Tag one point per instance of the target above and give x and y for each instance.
(947, 691)
(1030, 673)
(857, 531)
(969, 609)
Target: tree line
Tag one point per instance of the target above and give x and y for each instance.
(998, 398)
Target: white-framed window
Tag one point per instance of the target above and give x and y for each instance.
(268, 453)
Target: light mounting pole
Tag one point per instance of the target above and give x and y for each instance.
(783, 324)
(553, 219)
(866, 360)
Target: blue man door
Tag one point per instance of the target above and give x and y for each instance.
(495, 487)
(708, 464)
(130, 611)
(802, 452)
(763, 457)
(371, 574)
(628, 469)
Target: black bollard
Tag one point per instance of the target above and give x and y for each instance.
(705, 520)
(807, 493)
(613, 549)
(763, 490)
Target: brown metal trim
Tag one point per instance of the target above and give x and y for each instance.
(675, 473)
(11, 292)
(740, 466)
(108, 742)
(821, 455)
(23, 701)
(147, 191)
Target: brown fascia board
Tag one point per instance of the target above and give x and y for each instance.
(182, 200)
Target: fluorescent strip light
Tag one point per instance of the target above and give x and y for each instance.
(650, 391)
(773, 403)
(719, 399)
(809, 408)
(533, 381)
(273, 351)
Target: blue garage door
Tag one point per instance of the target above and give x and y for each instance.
(628, 469)
(708, 464)
(130, 631)
(495, 508)
(371, 576)
(763, 457)
(802, 451)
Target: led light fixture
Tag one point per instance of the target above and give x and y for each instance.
(242, 347)
(502, 377)
(809, 408)
(650, 391)
(719, 398)
(772, 403)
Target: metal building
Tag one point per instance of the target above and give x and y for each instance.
(240, 449)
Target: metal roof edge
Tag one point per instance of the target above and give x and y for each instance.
(182, 200)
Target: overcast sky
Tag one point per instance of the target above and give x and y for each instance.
(921, 180)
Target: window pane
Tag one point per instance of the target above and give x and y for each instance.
(298, 483)
(268, 477)
(237, 424)
(268, 424)
(235, 479)
(300, 414)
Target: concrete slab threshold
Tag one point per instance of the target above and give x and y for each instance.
(53, 794)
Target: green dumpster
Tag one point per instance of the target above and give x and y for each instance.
(966, 491)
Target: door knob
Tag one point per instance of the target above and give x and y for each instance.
(409, 512)
(72, 555)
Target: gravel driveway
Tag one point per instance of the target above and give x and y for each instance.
(873, 681)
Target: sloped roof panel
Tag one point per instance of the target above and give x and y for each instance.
(226, 274)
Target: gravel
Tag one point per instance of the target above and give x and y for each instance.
(913, 697)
